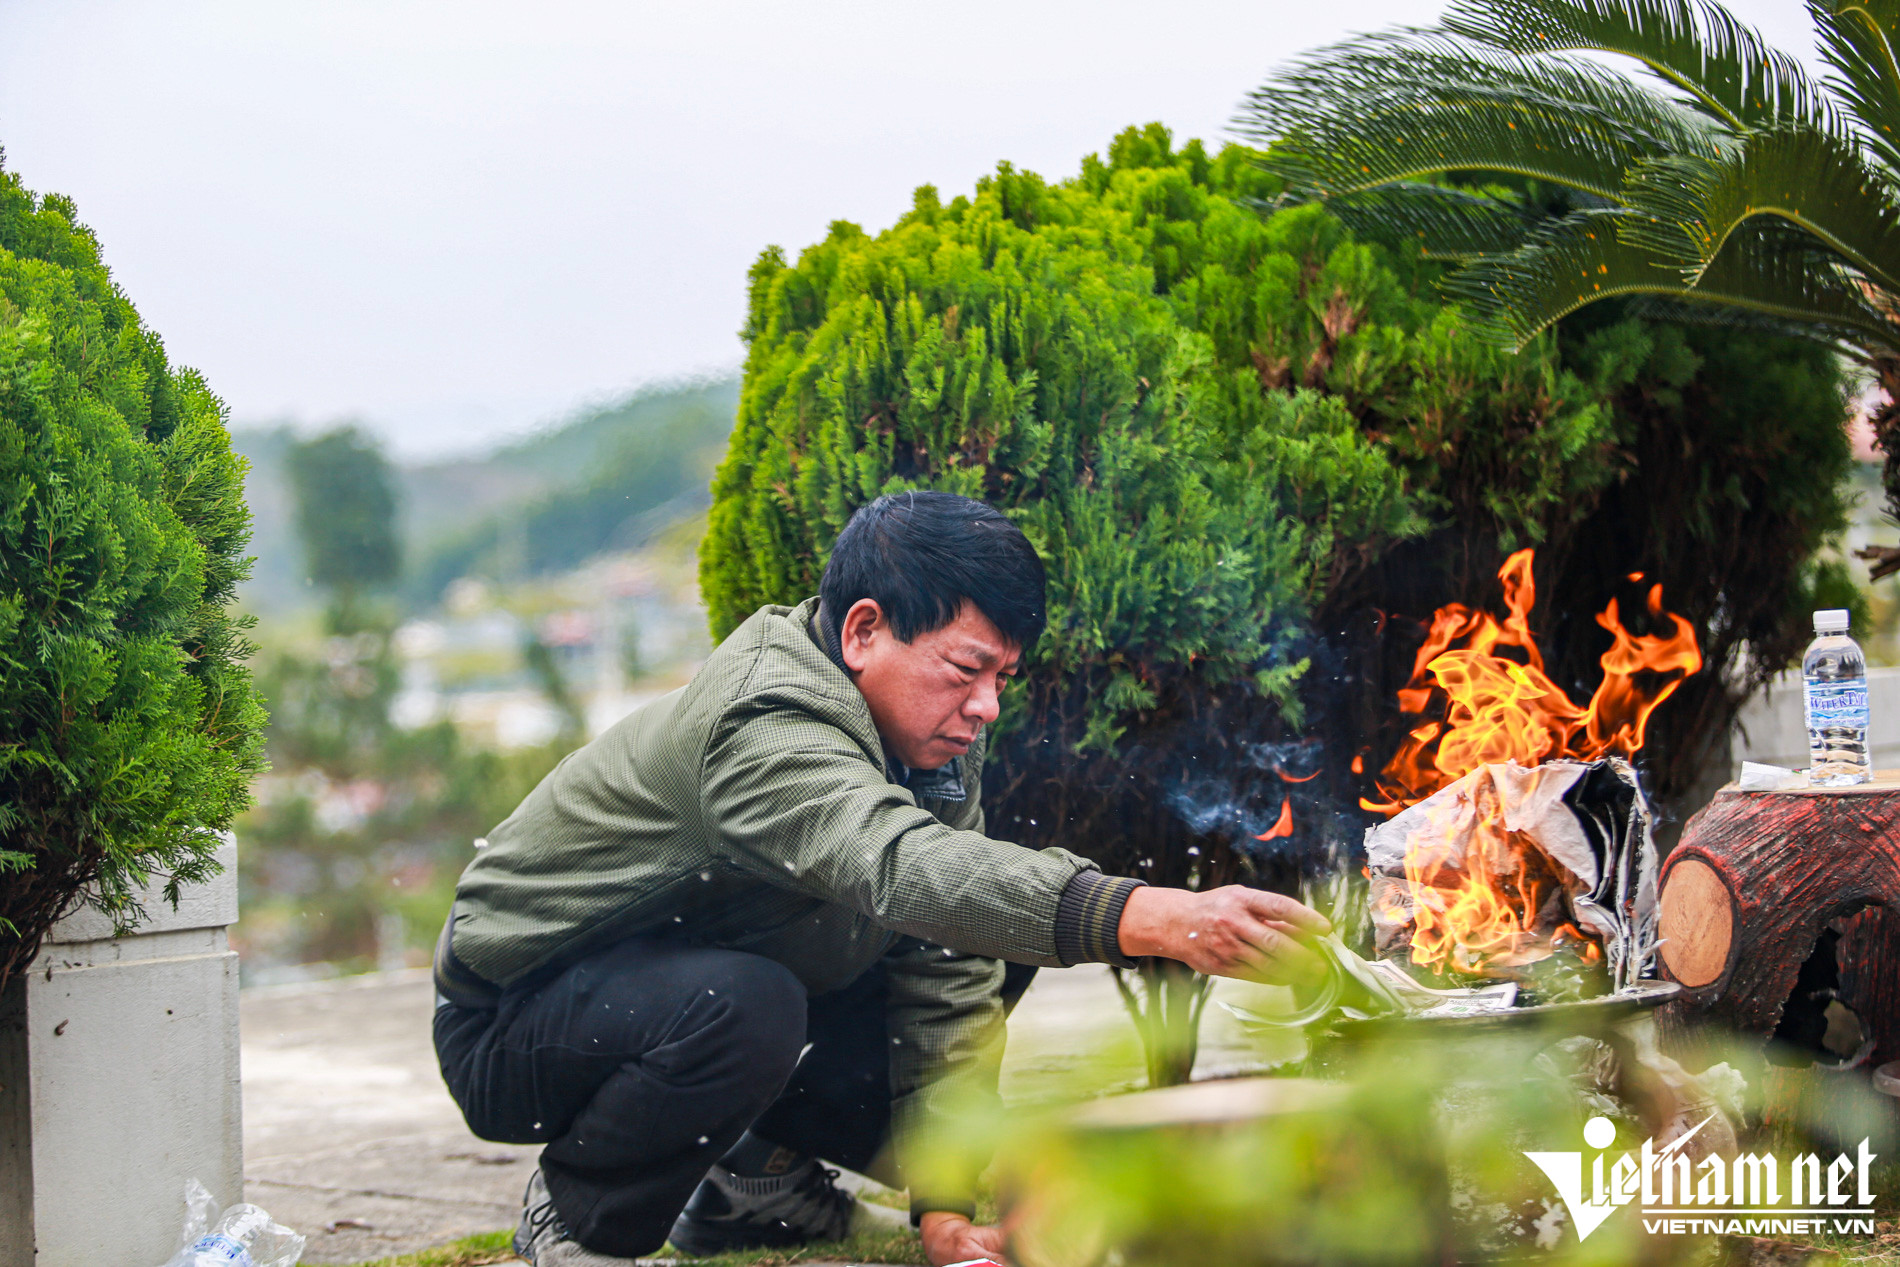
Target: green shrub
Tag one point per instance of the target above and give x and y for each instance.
(131, 728)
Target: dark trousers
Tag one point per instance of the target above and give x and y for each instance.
(640, 1065)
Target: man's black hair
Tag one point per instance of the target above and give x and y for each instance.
(920, 555)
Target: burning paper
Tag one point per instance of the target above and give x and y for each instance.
(1509, 865)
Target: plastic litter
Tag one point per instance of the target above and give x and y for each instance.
(240, 1236)
(1760, 777)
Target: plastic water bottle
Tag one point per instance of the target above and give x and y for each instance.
(241, 1236)
(1834, 673)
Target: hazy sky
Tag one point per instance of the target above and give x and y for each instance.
(458, 220)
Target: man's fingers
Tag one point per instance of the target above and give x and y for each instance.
(1298, 962)
(1284, 957)
(1251, 950)
(1279, 908)
(1248, 964)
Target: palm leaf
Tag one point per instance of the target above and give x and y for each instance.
(1767, 277)
(1858, 40)
(1410, 105)
(1750, 200)
(1439, 221)
(1578, 260)
(1814, 181)
(1774, 275)
(1725, 68)
(1727, 317)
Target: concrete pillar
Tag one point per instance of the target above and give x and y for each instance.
(119, 1081)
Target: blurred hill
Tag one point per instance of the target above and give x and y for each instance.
(607, 479)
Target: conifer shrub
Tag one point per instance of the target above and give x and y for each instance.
(129, 729)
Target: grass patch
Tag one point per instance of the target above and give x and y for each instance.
(473, 1251)
(898, 1245)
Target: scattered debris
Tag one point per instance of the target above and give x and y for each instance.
(240, 1233)
(484, 1159)
(1757, 777)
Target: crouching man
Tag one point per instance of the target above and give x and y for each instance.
(758, 923)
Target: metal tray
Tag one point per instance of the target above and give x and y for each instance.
(1586, 1016)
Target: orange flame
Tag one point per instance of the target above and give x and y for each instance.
(1477, 707)
(1498, 709)
(1283, 826)
(1477, 917)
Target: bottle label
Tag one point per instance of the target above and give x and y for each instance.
(219, 1248)
(1837, 704)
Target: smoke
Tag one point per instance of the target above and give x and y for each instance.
(1289, 799)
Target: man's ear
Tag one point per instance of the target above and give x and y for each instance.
(861, 626)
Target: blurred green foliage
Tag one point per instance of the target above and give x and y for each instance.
(132, 730)
(345, 495)
(1401, 1145)
(352, 854)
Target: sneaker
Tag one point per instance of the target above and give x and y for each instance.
(542, 1238)
(729, 1211)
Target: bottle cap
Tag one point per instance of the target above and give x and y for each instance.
(1833, 620)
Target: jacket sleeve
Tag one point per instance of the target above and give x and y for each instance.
(797, 802)
(945, 1017)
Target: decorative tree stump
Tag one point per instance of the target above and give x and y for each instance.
(1756, 879)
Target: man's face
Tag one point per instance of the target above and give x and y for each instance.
(931, 695)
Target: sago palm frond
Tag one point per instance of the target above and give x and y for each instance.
(1441, 221)
(1423, 104)
(1814, 181)
(1772, 277)
(1858, 41)
(1735, 186)
(1578, 260)
(1753, 162)
(1724, 68)
(1766, 278)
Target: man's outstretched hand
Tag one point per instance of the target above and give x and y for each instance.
(1233, 931)
(951, 1238)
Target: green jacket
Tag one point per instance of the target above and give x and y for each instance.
(755, 809)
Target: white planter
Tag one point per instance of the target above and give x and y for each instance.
(118, 1082)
